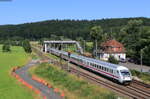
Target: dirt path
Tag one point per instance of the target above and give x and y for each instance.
(23, 73)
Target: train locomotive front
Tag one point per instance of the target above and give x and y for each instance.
(124, 74)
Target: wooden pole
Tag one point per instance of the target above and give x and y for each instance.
(141, 59)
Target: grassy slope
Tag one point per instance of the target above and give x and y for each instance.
(143, 76)
(9, 88)
(75, 88)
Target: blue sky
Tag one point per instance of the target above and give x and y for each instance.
(22, 11)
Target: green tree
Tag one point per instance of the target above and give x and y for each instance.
(6, 47)
(146, 55)
(26, 45)
(136, 38)
(96, 35)
(113, 60)
(132, 34)
(67, 28)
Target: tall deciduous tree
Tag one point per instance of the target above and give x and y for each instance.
(96, 34)
(146, 55)
(131, 33)
(27, 47)
(136, 38)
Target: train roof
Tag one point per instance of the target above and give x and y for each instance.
(122, 68)
(115, 66)
(97, 61)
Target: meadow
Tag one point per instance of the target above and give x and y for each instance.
(10, 88)
(74, 87)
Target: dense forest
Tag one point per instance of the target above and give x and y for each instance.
(134, 33)
(67, 28)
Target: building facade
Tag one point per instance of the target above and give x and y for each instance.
(111, 48)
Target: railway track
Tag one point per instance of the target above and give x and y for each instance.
(141, 84)
(137, 90)
(139, 87)
(126, 90)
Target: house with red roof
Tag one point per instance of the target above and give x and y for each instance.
(111, 47)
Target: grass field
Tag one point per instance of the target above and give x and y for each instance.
(74, 87)
(10, 88)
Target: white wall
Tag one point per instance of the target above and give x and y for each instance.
(105, 56)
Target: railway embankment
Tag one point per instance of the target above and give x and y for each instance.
(141, 76)
(71, 85)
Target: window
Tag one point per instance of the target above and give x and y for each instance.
(96, 66)
(87, 63)
(107, 69)
(117, 71)
(104, 68)
(90, 64)
(100, 67)
(125, 72)
(111, 71)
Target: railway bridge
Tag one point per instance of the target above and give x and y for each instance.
(60, 45)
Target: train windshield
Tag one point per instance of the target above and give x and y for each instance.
(125, 72)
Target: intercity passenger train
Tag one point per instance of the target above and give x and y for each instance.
(113, 71)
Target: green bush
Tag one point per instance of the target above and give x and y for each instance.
(135, 73)
(112, 59)
(141, 75)
(27, 47)
(6, 47)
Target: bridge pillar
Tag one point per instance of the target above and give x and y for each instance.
(45, 48)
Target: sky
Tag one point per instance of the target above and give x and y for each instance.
(24, 11)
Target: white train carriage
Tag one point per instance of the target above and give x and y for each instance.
(117, 72)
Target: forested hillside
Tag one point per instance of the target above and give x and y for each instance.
(68, 28)
(134, 33)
